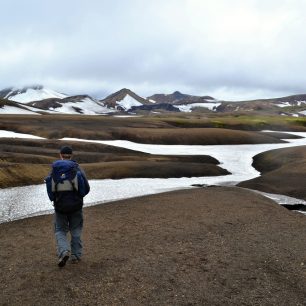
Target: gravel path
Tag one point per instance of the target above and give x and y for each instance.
(213, 246)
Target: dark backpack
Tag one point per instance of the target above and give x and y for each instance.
(65, 186)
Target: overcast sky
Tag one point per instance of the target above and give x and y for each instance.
(230, 49)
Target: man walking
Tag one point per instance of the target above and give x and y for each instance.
(66, 186)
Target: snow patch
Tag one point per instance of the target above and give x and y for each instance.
(10, 134)
(128, 102)
(86, 106)
(7, 109)
(236, 159)
(188, 107)
(283, 104)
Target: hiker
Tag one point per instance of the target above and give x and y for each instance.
(66, 186)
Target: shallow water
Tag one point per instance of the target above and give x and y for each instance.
(20, 202)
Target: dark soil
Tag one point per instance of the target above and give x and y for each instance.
(213, 246)
(282, 171)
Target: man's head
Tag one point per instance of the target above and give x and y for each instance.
(66, 152)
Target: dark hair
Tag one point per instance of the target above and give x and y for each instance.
(66, 150)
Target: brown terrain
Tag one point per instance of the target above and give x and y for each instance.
(211, 246)
(204, 246)
(111, 100)
(24, 162)
(282, 171)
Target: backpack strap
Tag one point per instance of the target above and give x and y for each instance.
(73, 187)
(56, 195)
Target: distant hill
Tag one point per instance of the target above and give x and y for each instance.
(179, 98)
(37, 99)
(284, 105)
(29, 94)
(124, 100)
(80, 104)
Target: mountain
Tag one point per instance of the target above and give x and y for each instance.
(179, 98)
(39, 100)
(124, 100)
(186, 103)
(289, 105)
(29, 94)
(80, 104)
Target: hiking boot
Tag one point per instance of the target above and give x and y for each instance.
(63, 259)
(75, 260)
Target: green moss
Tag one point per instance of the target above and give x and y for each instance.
(298, 121)
(218, 124)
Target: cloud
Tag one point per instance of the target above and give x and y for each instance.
(232, 48)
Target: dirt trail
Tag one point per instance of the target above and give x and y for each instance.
(213, 246)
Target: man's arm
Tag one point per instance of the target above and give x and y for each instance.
(83, 184)
(48, 181)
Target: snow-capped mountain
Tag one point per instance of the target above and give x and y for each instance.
(81, 104)
(290, 105)
(29, 94)
(184, 102)
(39, 100)
(124, 100)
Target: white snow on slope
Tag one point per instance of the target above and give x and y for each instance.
(10, 134)
(128, 102)
(35, 95)
(7, 109)
(87, 106)
(235, 158)
(188, 107)
(285, 104)
(299, 103)
(303, 112)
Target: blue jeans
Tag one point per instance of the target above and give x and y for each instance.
(73, 223)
